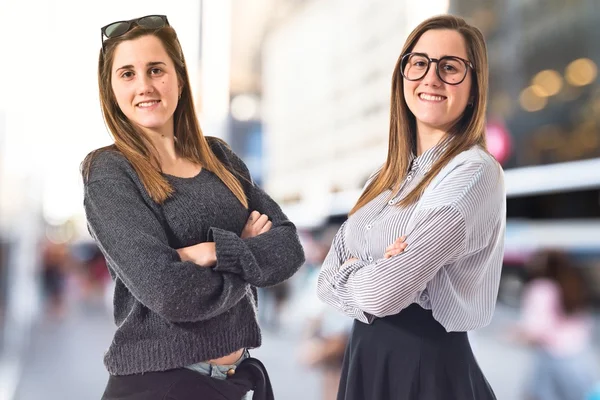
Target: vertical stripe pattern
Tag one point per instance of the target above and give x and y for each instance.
(455, 243)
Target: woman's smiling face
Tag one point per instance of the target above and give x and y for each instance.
(145, 84)
(437, 105)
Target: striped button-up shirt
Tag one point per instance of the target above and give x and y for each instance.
(455, 242)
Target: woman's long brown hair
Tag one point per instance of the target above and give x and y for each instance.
(136, 146)
(467, 132)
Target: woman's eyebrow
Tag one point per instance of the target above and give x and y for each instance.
(150, 64)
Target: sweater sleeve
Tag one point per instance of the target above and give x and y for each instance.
(266, 259)
(136, 247)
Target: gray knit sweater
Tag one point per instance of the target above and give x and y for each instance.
(170, 313)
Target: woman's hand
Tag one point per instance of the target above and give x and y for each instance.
(203, 254)
(257, 223)
(348, 262)
(395, 248)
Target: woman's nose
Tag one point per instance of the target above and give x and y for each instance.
(145, 85)
(431, 78)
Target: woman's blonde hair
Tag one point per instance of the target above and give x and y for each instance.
(136, 146)
(468, 131)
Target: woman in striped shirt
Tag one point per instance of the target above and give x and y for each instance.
(418, 261)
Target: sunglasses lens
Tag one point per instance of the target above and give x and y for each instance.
(151, 22)
(116, 29)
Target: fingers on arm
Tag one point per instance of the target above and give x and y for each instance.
(267, 227)
(396, 248)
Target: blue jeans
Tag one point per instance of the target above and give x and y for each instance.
(220, 371)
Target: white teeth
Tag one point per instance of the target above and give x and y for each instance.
(147, 103)
(425, 96)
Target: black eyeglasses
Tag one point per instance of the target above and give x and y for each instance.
(120, 28)
(450, 69)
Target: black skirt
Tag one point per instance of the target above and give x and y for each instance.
(410, 356)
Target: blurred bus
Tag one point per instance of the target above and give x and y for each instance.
(552, 206)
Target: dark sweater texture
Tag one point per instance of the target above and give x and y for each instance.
(170, 313)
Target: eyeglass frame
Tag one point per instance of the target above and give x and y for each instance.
(132, 23)
(430, 60)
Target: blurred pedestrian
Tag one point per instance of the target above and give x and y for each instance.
(557, 322)
(418, 261)
(275, 298)
(186, 234)
(54, 267)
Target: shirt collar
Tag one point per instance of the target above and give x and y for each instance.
(428, 158)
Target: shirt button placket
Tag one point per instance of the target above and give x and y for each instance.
(368, 227)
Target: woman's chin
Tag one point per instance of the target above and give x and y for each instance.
(433, 124)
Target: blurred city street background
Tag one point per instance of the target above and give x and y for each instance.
(300, 89)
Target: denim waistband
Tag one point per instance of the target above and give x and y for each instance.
(218, 371)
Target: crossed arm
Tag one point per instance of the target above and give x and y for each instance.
(443, 232)
(205, 254)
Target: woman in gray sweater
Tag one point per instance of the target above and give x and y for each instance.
(186, 234)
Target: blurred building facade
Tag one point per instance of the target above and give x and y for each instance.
(326, 88)
(250, 24)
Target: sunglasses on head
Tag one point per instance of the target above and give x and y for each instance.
(120, 28)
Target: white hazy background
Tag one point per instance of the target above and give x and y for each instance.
(49, 95)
